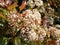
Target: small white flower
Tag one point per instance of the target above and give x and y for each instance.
(41, 38)
(28, 11)
(33, 35)
(31, 3)
(39, 3)
(7, 1)
(2, 3)
(14, 15)
(42, 32)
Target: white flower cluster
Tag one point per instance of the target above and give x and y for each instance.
(42, 34)
(32, 21)
(55, 33)
(30, 34)
(32, 3)
(14, 19)
(33, 16)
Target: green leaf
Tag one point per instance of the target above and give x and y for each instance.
(3, 41)
(36, 42)
(16, 0)
(17, 41)
(4, 11)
